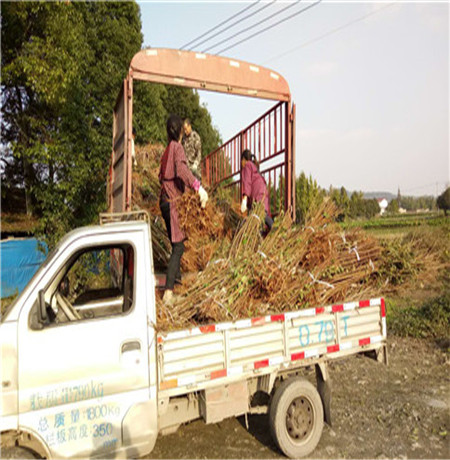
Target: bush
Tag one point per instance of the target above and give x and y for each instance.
(429, 320)
(7, 301)
(399, 262)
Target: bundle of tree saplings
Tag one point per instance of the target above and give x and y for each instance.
(146, 190)
(415, 259)
(292, 268)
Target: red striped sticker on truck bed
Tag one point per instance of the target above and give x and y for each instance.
(274, 361)
(259, 321)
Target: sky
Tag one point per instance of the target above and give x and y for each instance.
(370, 81)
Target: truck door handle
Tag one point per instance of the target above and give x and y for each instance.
(131, 346)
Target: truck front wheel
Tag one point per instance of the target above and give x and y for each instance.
(296, 417)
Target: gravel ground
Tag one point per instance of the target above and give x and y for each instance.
(397, 411)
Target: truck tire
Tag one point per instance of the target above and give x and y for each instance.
(296, 417)
(17, 453)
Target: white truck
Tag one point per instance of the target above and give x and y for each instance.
(86, 373)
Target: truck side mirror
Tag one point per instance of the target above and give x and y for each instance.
(64, 286)
(42, 310)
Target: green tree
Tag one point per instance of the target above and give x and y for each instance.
(37, 68)
(371, 208)
(413, 203)
(342, 201)
(153, 103)
(443, 201)
(149, 113)
(361, 207)
(185, 102)
(62, 65)
(356, 205)
(308, 195)
(392, 207)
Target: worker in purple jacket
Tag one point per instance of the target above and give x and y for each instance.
(174, 176)
(254, 186)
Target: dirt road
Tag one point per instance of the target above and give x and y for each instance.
(398, 411)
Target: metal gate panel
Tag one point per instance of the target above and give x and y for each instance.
(270, 139)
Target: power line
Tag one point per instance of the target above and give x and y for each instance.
(236, 22)
(220, 24)
(326, 34)
(420, 187)
(226, 21)
(251, 27)
(269, 27)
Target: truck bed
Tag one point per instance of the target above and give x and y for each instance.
(217, 354)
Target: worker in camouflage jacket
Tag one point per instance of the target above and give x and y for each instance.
(193, 148)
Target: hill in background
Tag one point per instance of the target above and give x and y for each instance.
(369, 195)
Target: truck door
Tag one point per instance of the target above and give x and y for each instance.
(84, 376)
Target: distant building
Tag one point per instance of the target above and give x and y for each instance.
(383, 204)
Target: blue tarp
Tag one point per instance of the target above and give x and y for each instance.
(20, 259)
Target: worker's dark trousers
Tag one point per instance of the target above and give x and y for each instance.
(269, 221)
(173, 269)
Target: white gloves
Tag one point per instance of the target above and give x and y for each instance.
(244, 204)
(203, 194)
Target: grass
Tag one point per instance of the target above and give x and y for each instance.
(421, 308)
(388, 233)
(429, 319)
(400, 223)
(22, 223)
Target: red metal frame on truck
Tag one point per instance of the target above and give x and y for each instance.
(220, 74)
(270, 138)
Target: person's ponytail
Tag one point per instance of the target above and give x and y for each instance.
(255, 162)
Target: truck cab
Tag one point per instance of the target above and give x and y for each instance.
(78, 351)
